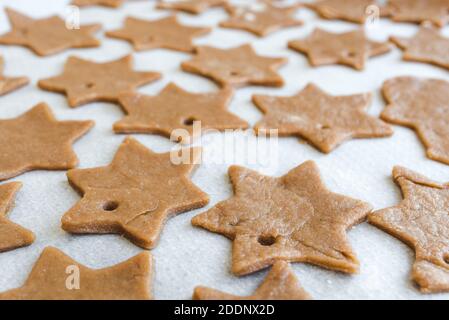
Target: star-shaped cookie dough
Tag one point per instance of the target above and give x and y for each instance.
(325, 121)
(261, 18)
(56, 276)
(349, 10)
(9, 84)
(105, 3)
(423, 105)
(417, 11)
(279, 284)
(190, 6)
(47, 36)
(351, 48)
(85, 81)
(134, 195)
(37, 141)
(428, 46)
(163, 33)
(292, 218)
(12, 236)
(235, 67)
(174, 108)
(421, 220)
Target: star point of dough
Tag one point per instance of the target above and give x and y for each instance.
(9, 84)
(349, 10)
(47, 36)
(279, 284)
(351, 48)
(423, 105)
(104, 3)
(175, 108)
(190, 6)
(417, 11)
(236, 67)
(292, 218)
(85, 81)
(325, 121)
(35, 140)
(163, 33)
(12, 236)
(421, 221)
(50, 279)
(132, 196)
(261, 19)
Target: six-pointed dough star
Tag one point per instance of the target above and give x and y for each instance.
(36, 140)
(292, 218)
(9, 84)
(417, 11)
(85, 81)
(47, 36)
(357, 11)
(163, 33)
(279, 284)
(56, 276)
(12, 236)
(325, 121)
(191, 6)
(423, 105)
(351, 48)
(239, 66)
(421, 220)
(105, 3)
(135, 194)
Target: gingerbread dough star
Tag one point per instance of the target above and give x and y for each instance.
(279, 284)
(191, 6)
(174, 108)
(428, 46)
(163, 33)
(325, 121)
(417, 11)
(56, 276)
(349, 10)
(349, 48)
(134, 195)
(105, 3)
(261, 18)
(423, 105)
(85, 81)
(8, 84)
(421, 221)
(236, 67)
(37, 141)
(47, 36)
(292, 218)
(12, 236)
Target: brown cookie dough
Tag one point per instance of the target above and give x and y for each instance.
(105, 3)
(261, 18)
(12, 236)
(47, 36)
(349, 10)
(239, 66)
(85, 81)
(351, 48)
(423, 105)
(163, 33)
(134, 195)
(190, 6)
(417, 11)
(291, 218)
(421, 221)
(279, 284)
(9, 84)
(56, 276)
(427, 46)
(325, 121)
(174, 108)
(37, 141)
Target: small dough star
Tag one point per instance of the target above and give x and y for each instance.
(292, 218)
(191, 6)
(417, 11)
(163, 33)
(47, 36)
(85, 81)
(36, 141)
(9, 84)
(105, 3)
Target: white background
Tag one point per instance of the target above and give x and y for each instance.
(188, 256)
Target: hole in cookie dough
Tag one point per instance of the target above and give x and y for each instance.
(234, 73)
(189, 121)
(90, 85)
(266, 240)
(324, 127)
(446, 258)
(110, 206)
